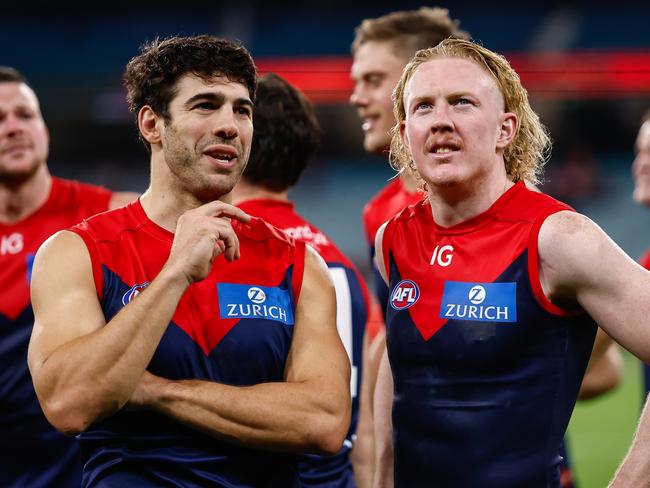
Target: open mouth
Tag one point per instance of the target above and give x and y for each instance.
(367, 123)
(444, 148)
(224, 156)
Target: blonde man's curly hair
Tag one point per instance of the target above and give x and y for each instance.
(525, 156)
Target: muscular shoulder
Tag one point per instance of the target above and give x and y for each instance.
(569, 245)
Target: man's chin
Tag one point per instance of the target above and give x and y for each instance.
(375, 145)
(15, 177)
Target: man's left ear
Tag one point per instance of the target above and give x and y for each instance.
(507, 130)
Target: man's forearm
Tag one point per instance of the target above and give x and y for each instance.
(283, 416)
(635, 470)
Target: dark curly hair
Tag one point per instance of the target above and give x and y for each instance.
(286, 134)
(151, 77)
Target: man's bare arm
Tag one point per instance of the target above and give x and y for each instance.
(605, 368)
(361, 455)
(310, 411)
(634, 472)
(383, 406)
(580, 266)
(85, 369)
(383, 397)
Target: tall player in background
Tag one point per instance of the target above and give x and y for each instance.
(286, 136)
(33, 206)
(380, 50)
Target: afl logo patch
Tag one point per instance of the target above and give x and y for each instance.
(133, 292)
(405, 294)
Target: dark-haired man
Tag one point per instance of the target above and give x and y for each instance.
(33, 206)
(286, 136)
(186, 342)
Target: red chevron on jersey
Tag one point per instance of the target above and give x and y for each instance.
(69, 202)
(128, 250)
(391, 200)
(476, 251)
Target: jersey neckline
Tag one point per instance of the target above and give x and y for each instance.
(479, 220)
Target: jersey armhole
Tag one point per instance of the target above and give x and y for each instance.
(298, 269)
(533, 265)
(98, 277)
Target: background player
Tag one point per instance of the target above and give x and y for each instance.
(286, 136)
(465, 127)
(224, 363)
(381, 48)
(33, 206)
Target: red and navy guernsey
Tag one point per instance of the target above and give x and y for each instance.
(32, 452)
(486, 369)
(235, 327)
(352, 314)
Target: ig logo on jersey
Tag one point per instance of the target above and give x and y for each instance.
(133, 292)
(405, 294)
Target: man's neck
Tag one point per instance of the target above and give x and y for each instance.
(245, 190)
(20, 199)
(452, 205)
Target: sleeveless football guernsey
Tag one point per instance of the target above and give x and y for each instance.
(486, 369)
(235, 327)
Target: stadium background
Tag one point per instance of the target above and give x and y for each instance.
(586, 66)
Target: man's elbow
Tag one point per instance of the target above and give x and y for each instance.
(72, 417)
(66, 419)
(333, 427)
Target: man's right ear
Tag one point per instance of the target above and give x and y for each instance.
(148, 123)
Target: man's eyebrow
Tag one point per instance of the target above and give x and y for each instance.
(218, 98)
(210, 96)
(244, 101)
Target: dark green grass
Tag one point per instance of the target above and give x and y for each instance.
(601, 430)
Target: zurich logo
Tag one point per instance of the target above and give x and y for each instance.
(477, 294)
(133, 292)
(405, 294)
(256, 295)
